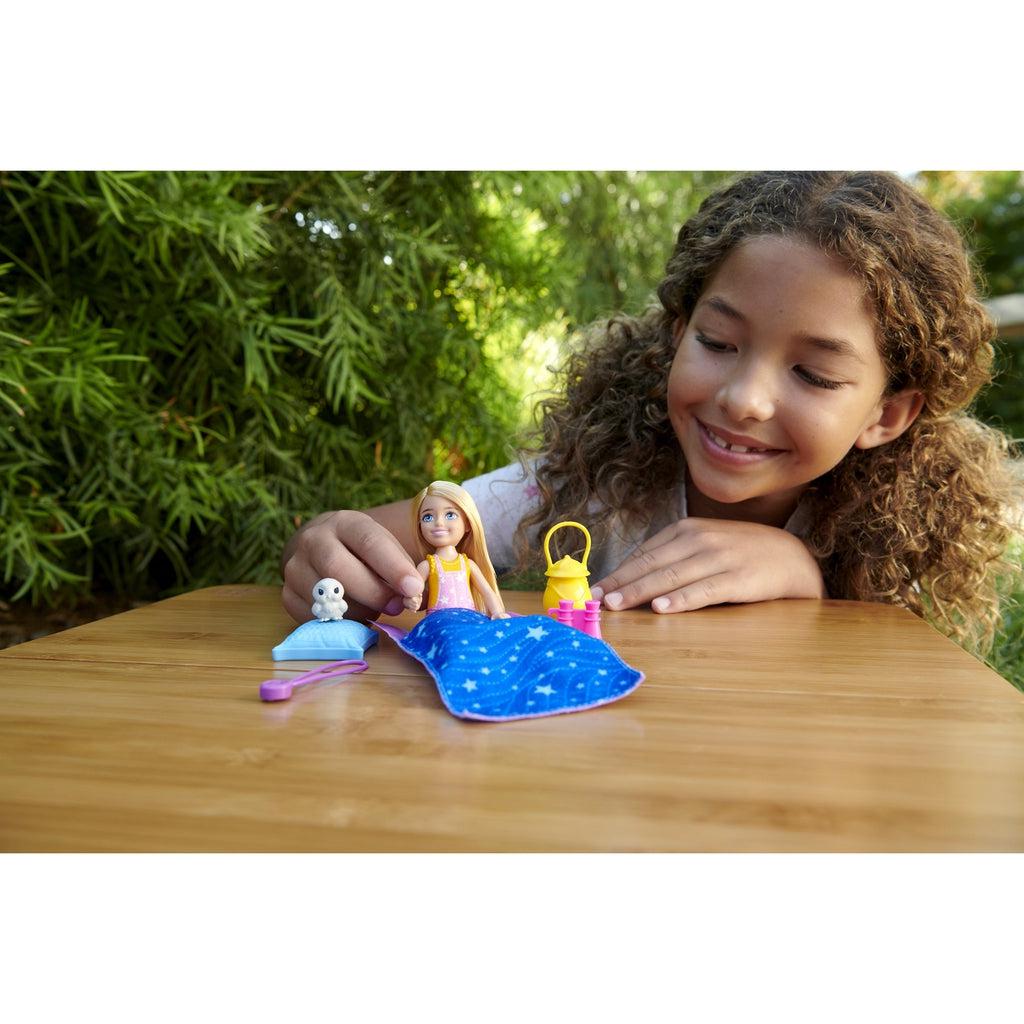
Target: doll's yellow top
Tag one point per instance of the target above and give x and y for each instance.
(449, 587)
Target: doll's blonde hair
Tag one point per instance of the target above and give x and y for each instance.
(473, 545)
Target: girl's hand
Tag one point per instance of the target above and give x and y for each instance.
(377, 572)
(700, 562)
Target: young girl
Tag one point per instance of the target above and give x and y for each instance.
(788, 422)
(457, 567)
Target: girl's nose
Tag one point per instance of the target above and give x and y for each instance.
(746, 395)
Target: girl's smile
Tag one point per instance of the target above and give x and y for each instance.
(776, 376)
(733, 449)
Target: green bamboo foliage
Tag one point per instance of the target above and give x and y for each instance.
(193, 363)
(988, 208)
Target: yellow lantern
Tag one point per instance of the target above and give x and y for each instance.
(567, 578)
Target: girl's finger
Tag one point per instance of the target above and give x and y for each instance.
(300, 605)
(664, 580)
(642, 565)
(704, 592)
(297, 607)
(379, 549)
(666, 545)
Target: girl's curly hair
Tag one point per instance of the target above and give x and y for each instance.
(923, 521)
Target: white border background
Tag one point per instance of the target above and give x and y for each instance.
(554, 84)
(495, 938)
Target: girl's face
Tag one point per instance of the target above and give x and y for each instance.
(776, 377)
(441, 522)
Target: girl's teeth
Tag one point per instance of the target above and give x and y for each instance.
(732, 447)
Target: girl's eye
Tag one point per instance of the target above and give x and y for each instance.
(815, 381)
(811, 378)
(428, 518)
(450, 515)
(711, 346)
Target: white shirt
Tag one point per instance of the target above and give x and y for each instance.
(505, 495)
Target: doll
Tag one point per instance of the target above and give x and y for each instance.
(457, 568)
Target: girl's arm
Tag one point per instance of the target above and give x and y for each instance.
(492, 599)
(700, 562)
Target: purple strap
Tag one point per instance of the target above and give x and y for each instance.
(281, 689)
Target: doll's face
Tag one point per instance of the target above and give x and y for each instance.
(441, 523)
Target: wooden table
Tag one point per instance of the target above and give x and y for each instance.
(789, 725)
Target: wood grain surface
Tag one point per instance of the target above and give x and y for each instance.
(783, 726)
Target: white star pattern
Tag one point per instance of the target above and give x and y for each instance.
(500, 697)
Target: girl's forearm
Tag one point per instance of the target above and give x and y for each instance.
(813, 575)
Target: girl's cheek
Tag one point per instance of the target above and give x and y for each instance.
(680, 377)
(689, 380)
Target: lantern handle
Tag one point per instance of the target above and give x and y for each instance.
(558, 526)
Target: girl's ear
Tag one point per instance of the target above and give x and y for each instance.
(894, 415)
(677, 331)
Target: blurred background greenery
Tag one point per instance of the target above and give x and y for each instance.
(192, 364)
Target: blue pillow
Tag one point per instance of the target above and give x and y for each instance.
(523, 667)
(338, 640)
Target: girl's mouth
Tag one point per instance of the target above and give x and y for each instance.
(734, 455)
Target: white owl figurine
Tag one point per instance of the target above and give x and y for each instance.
(329, 600)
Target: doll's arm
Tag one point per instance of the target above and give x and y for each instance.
(492, 599)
